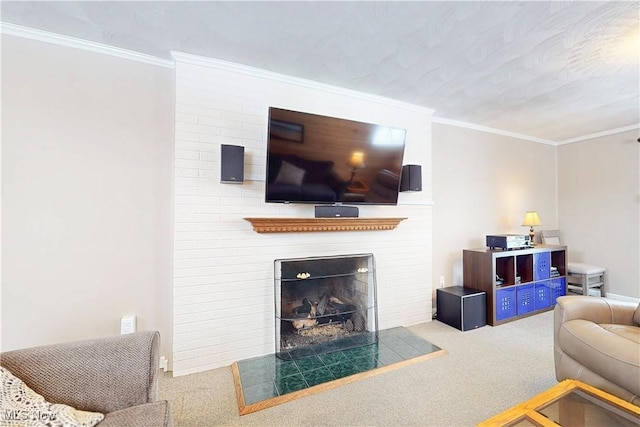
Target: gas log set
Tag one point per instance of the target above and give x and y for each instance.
(329, 309)
(314, 322)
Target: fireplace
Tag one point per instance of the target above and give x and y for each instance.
(324, 304)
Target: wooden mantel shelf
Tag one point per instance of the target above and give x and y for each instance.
(296, 225)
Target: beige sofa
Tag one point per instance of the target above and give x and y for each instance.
(597, 341)
(117, 376)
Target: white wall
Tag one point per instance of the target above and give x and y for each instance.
(87, 149)
(599, 205)
(223, 277)
(483, 183)
(87, 174)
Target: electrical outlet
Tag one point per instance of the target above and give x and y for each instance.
(127, 324)
(442, 281)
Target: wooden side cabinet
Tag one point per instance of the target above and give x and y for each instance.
(518, 283)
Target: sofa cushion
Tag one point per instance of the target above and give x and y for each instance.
(155, 414)
(290, 174)
(581, 268)
(318, 171)
(623, 331)
(22, 406)
(610, 351)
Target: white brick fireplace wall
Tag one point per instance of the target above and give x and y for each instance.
(223, 270)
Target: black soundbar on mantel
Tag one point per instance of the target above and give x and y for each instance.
(336, 211)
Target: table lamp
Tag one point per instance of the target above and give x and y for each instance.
(530, 219)
(356, 162)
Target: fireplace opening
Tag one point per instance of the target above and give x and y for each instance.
(324, 304)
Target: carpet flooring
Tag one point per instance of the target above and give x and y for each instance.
(484, 372)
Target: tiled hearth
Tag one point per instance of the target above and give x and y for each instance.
(269, 380)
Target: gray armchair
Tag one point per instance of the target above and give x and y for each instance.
(117, 376)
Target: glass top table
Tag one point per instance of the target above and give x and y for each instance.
(569, 403)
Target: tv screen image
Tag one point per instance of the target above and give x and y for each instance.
(318, 159)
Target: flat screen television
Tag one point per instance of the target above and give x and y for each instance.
(331, 161)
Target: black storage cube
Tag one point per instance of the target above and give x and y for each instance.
(460, 307)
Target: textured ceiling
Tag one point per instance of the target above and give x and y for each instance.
(551, 70)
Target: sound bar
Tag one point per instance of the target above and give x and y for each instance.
(336, 212)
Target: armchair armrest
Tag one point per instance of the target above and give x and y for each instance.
(102, 375)
(597, 310)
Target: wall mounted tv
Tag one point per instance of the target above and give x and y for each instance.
(331, 161)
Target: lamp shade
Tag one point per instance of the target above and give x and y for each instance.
(411, 179)
(356, 160)
(531, 218)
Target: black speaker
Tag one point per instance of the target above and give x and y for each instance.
(411, 178)
(460, 307)
(231, 164)
(336, 212)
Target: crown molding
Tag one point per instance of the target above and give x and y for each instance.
(491, 130)
(61, 40)
(599, 134)
(531, 138)
(233, 67)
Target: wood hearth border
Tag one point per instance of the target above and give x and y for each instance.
(285, 398)
(294, 225)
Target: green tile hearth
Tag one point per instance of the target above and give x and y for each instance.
(266, 377)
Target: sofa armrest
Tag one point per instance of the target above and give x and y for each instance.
(102, 375)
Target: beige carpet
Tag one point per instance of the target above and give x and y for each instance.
(486, 371)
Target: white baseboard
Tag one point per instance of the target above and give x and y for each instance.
(623, 298)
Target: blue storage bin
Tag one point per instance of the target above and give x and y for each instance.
(541, 265)
(505, 303)
(525, 296)
(558, 289)
(542, 291)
